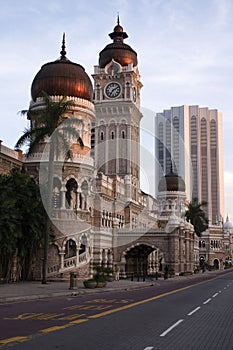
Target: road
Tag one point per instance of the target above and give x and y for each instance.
(197, 316)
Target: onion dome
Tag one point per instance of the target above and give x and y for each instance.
(62, 78)
(118, 50)
(228, 224)
(171, 182)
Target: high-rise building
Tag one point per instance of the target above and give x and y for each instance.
(190, 138)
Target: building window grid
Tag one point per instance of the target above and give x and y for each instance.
(213, 155)
(193, 151)
(204, 168)
(168, 146)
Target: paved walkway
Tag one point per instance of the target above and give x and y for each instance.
(35, 290)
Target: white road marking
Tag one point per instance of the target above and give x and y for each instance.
(225, 287)
(170, 328)
(207, 301)
(195, 310)
(213, 296)
(220, 291)
(149, 348)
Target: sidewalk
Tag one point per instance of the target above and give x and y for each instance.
(35, 290)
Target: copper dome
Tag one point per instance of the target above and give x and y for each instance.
(63, 78)
(118, 50)
(171, 182)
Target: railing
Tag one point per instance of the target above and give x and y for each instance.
(69, 264)
(57, 98)
(44, 156)
(53, 270)
(84, 258)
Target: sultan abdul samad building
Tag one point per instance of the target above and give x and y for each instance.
(100, 215)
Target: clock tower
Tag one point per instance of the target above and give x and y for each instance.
(117, 88)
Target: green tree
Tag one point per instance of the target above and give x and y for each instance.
(22, 222)
(53, 122)
(196, 215)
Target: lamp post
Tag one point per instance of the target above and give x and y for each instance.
(156, 264)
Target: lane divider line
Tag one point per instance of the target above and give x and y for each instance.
(13, 340)
(207, 301)
(213, 296)
(149, 348)
(171, 328)
(195, 310)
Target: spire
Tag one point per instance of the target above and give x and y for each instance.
(118, 33)
(63, 47)
(171, 170)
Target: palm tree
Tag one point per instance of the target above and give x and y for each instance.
(19, 238)
(50, 123)
(197, 216)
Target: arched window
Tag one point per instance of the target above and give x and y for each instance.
(101, 136)
(83, 244)
(71, 194)
(56, 193)
(70, 249)
(84, 188)
(123, 134)
(112, 135)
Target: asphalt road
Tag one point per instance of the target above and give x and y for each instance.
(190, 317)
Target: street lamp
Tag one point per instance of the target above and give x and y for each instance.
(157, 263)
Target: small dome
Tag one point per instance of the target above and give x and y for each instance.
(118, 50)
(118, 28)
(62, 78)
(228, 224)
(171, 182)
(173, 219)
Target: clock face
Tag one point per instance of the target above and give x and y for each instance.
(113, 90)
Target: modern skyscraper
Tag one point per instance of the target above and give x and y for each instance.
(190, 137)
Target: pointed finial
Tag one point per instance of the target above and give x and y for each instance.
(63, 51)
(171, 167)
(118, 19)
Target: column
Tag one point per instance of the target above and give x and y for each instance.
(63, 197)
(62, 254)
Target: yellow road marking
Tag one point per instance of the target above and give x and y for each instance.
(57, 328)
(124, 307)
(70, 317)
(75, 322)
(54, 328)
(13, 339)
(78, 321)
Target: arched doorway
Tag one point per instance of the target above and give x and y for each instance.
(202, 262)
(137, 260)
(216, 264)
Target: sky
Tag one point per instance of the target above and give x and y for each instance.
(185, 55)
